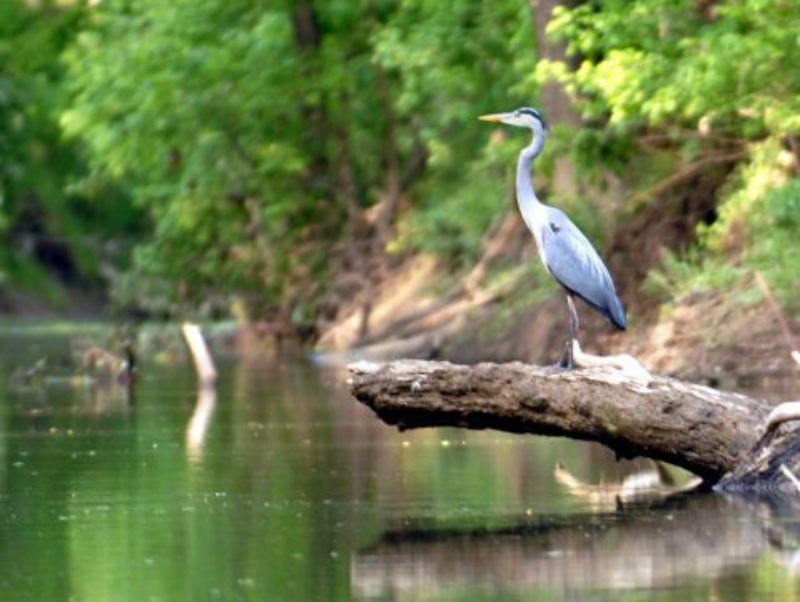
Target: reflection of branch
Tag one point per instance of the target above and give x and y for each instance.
(198, 423)
(620, 551)
(649, 485)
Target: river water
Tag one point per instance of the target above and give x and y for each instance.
(282, 487)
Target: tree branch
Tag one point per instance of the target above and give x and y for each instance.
(706, 431)
(686, 173)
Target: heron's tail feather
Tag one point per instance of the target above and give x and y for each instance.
(616, 313)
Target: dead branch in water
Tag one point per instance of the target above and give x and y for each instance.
(206, 372)
(709, 432)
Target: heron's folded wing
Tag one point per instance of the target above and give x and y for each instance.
(576, 265)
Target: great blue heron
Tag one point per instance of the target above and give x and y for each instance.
(566, 253)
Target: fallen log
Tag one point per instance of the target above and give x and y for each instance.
(719, 436)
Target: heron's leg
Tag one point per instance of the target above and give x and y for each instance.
(574, 321)
(567, 360)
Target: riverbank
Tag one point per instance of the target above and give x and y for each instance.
(736, 336)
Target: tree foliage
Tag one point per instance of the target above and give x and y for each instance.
(253, 137)
(665, 62)
(252, 131)
(41, 219)
(469, 58)
(28, 102)
(712, 78)
(190, 106)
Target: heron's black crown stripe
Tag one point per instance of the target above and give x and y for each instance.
(534, 113)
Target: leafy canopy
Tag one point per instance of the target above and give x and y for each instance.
(252, 133)
(713, 78)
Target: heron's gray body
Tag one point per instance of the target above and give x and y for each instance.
(565, 251)
(573, 262)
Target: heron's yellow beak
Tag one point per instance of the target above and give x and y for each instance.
(493, 117)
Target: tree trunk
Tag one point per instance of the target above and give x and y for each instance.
(555, 102)
(718, 436)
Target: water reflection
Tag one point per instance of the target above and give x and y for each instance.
(284, 488)
(702, 544)
(198, 423)
(646, 486)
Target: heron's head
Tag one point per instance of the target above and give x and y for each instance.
(524, 117)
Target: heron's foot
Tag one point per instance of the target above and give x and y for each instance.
(557, 368)
(567, 361)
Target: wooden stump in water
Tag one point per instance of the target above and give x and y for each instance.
(203, 363)
(718, 436)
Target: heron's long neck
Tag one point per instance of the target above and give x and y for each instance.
(527, 200)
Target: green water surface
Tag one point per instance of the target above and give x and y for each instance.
(282, 487)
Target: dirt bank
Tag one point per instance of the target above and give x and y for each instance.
(499, 312)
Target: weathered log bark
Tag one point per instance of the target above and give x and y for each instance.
(709, 432)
